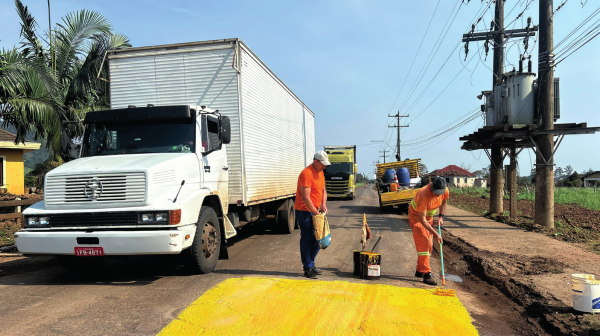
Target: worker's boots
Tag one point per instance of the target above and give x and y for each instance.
(428, 279)
(310, 273)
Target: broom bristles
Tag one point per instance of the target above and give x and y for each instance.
(444, 292)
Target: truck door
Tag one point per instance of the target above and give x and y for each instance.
(214, 158)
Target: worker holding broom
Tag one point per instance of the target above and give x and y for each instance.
(420, 217)
(311, 198)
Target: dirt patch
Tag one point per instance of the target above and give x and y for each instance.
(573, 223)
(516, 277)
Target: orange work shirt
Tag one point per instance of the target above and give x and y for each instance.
(426, 201)
(314, 180)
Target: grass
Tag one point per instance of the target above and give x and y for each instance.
(6, 237)
(584, 197)
(358, 185)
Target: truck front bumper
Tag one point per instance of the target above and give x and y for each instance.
(112, 242)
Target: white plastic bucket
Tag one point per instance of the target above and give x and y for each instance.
(586, 293)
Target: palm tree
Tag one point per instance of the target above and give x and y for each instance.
(47, 86)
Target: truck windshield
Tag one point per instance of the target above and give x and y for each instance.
(341, 168)
(140, 137)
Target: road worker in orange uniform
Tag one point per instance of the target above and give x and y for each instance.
(420, 217)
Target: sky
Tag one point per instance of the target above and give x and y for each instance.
(348, 60)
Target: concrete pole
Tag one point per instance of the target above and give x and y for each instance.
(511, 173)
(497, 180)
(544, 173)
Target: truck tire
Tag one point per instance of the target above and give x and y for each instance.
(286, 218)
(204, 253)
(80, 265)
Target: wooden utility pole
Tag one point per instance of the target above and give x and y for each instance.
(397, 127)
(544, 172)
(384, 156)
(497, 180)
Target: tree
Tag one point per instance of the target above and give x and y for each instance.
(423, 170)
(484, 172)
(559, 173)
(48, 85)
(466, 167)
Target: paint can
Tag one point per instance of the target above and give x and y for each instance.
(586, 293)
(370, 265)
(356, 259)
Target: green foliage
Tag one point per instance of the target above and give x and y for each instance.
(48, 85)
(30, 180)
(474, 191)
(585, 197)
(361, 178)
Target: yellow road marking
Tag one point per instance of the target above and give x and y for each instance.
(264, 306)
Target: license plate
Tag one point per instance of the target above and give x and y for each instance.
(89, 251)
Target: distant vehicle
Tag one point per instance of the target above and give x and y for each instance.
(201, 138)
(399, 194)
(340, 176)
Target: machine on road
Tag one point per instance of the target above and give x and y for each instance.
(340, 176)
(201, 138)
(392, 193)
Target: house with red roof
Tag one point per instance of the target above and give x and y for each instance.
(458, 177)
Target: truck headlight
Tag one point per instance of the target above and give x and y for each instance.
(147, 217)
(44, 220)
(350, 190)
(33, 221)
(160, 216)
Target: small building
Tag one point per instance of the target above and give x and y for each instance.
(588, 180)
(12, 169)
(457, 177)
(481, 182)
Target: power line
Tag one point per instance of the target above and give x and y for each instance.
(416, 54)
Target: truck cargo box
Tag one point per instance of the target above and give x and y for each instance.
(273, 132)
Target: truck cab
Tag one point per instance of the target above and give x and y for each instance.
(340, 176)
(149, 180)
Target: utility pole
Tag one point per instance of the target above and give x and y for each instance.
(497, 180)
(544, 172)
(384, 156)
(398, 116)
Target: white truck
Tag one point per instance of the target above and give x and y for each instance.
(201, 138)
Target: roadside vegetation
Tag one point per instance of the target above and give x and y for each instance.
(584, 197)
(53, 78)
(576, 212)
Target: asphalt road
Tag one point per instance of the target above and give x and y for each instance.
(141, 295)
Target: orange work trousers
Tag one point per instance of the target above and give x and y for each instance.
(423, 242)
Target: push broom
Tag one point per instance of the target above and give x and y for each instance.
(443, 291)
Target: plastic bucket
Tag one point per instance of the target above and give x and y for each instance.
(586, 293)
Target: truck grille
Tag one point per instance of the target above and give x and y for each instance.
(336, 187)
(94, 219)
(122, 188)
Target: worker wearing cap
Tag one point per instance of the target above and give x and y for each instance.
(311, 199)
(420, 217)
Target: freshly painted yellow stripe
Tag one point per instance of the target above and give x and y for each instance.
(264, 306)
(423, 253)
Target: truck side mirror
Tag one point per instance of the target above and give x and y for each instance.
(355, 169)
(225, 130)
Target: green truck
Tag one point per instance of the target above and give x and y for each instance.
(340, 176)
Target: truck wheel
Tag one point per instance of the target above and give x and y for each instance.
(206, 246)
(80, 265)
(286, 218)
